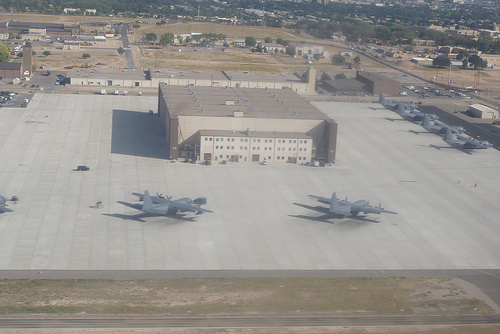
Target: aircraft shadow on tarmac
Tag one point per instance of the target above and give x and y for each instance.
(138, 134)
(328, 216)
(447, 147)
(139, 217)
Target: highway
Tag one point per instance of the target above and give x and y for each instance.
(251, 322)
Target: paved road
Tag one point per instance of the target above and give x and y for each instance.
(481, 131)
(251, 322)
(128, 52)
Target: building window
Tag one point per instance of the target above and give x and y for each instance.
(136, 84)
(206, 139)
(290, 141)
(300, 149)
(228, 147)
(270, 140)
(289, 149)
(216, 147)
(210, 139)
(216, 139)
(300, 141)
(241, 139)
(232, 147)
(258, 140)
(294, 141)
(305, 149)
(265, 140)
(227, 156)
(270, 148)
(246, 140)
(232, 139)
(265, 148)
(294, 149)
(221, 156)
(269, 157)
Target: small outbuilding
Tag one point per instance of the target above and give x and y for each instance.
(482, 111)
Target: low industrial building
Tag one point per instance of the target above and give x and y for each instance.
(15, 70)
(10, 70)
(153, 77)
(377, 83)
(244, 125)
(38, 30)
(482, 111)
(348, 86)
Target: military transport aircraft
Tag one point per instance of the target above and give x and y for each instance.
(164, 205)
(414, 115)
(440, 127)
(345, 208)
(3, 207)
(464, 142)
(394, 104)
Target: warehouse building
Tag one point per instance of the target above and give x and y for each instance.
(239, 124)
(377, 83)
(482, 111)
(38, 30)
(152, 77)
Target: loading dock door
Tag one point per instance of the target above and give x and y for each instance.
(256, 157)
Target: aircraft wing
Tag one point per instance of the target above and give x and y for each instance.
(187, 207)
(371, 209)
(321, 199)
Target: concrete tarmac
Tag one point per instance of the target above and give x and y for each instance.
(446, 199)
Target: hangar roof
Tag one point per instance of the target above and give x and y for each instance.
(237, 102)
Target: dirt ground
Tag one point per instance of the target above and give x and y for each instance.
(252, 296)
(492, 329)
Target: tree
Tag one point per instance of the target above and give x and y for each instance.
(477, 62)
(461, 55)
(357, 60)
(341, 75)
(338, 59)
(268, 40)
(85, 55)
(167, 39)
(325, 76)
(46, 53)
(4, 53)
(136, 26)
(120, 50)
(281, 41)
(250, 42)
(20, 54)
(150, 37)
(179, 38)
(441, 61)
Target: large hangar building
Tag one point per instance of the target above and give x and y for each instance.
(244, 125)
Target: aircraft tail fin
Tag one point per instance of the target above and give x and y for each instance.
(334, 204)
(381, 99)
(147, 202)
(401, 108)
(425, 121)
(448, 136)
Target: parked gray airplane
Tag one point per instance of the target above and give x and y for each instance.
(464, 142)
(3, 206)
(345, 208)
(394, 104)
(440, 126)
(162, 206)
(414, 115)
